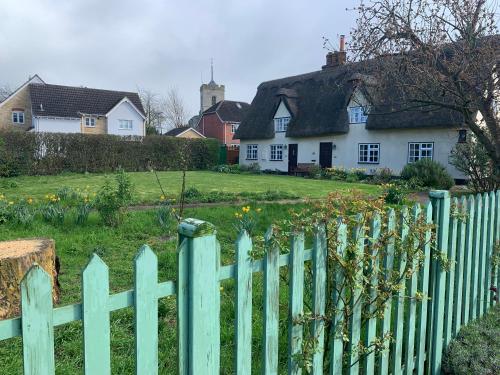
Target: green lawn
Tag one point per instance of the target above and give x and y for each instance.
(147, 190)
(117, 247)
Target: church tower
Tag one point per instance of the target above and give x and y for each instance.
(210, 93)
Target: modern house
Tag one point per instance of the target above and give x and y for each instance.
(221, 121)
(326, 118)
(41, 107)
(184, 132)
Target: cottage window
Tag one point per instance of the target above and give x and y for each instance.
(418, 151)
(90, 122)
(125, 124)
(357, 115)
(252, 152)
(369, 153)
(18, 117)
(281, 124)
(276, 152)
(234, 127)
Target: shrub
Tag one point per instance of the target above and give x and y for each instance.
(250, 168)
(394, 194)
(336, 173)
(428, 173)
(383, 176)
(111, 201)
(471, 159)
(315, 172)
(27, 153)
(476, 349)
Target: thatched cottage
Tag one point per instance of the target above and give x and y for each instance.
(323, 118)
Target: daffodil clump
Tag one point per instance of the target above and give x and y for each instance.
(246, 219)
(166, 213)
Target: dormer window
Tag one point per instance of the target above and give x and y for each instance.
(90, 122)
(357, 115)
(281, 124)
(18, 117)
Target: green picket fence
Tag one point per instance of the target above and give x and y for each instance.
(420, 329)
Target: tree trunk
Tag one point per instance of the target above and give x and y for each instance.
(16, 258)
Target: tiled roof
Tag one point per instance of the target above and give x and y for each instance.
(67, 101)
(229, 110)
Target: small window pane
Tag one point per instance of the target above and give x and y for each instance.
(369, 153)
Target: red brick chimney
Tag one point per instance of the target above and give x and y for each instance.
(337, 58)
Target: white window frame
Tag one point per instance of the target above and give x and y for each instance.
(234, 127)
(358, 115)
(252, 152)
(130, 125)
(16, 115)
(276, 152)
(281, 124)
(417, 153)
(368, 153)
(90, 122)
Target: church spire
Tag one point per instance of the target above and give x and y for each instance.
(212, 70)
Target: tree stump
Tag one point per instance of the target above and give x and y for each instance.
(16, 258)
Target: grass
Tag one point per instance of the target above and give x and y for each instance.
(117, 247)
(147, 190)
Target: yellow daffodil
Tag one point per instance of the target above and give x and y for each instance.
(258, 210)
(162, 197)
(221, 288)
(30, 200)
(11, 203)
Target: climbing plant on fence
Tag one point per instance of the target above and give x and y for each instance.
(29, 153)
(388, 291)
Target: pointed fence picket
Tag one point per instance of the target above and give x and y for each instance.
(422, 315)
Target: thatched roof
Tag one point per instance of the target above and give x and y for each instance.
(318, 104)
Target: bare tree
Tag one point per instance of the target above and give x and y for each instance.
(5, 92)
(151, 102)
(440, 55)
(174, 109)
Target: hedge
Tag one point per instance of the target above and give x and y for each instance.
(476, 349)
(29, 153)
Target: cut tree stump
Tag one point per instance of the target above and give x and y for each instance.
(16, 258)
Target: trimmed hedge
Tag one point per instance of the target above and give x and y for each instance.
(29, 153)
(476, 349)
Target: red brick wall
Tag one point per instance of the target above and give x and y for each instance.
(212, 127)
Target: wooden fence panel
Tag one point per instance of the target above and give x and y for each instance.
(338, 297)
(423, 286)
(271, 306)
(409, 341)
(243, 304)
(397, 348)
(459, 268)
(482, 254)
(441, 205)
(320, 253)
(296, 303)
(450, 275)
(489, 251)
(96, 331)
(469, 258)
(388, 265)
(371, 326)
(146, 311)
(356, 304)
(474, 311)
(37, 322)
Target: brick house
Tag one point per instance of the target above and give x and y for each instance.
(221, 120)
(41, 107)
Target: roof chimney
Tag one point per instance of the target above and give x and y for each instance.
(337, 58)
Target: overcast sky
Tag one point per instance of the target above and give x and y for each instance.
(158, 44)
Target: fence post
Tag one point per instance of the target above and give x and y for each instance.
(441, 212)
(198, 298)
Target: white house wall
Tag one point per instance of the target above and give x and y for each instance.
(393, 148)
(125, 112)
(57, 125)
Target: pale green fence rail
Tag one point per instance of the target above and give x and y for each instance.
(457, 297)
